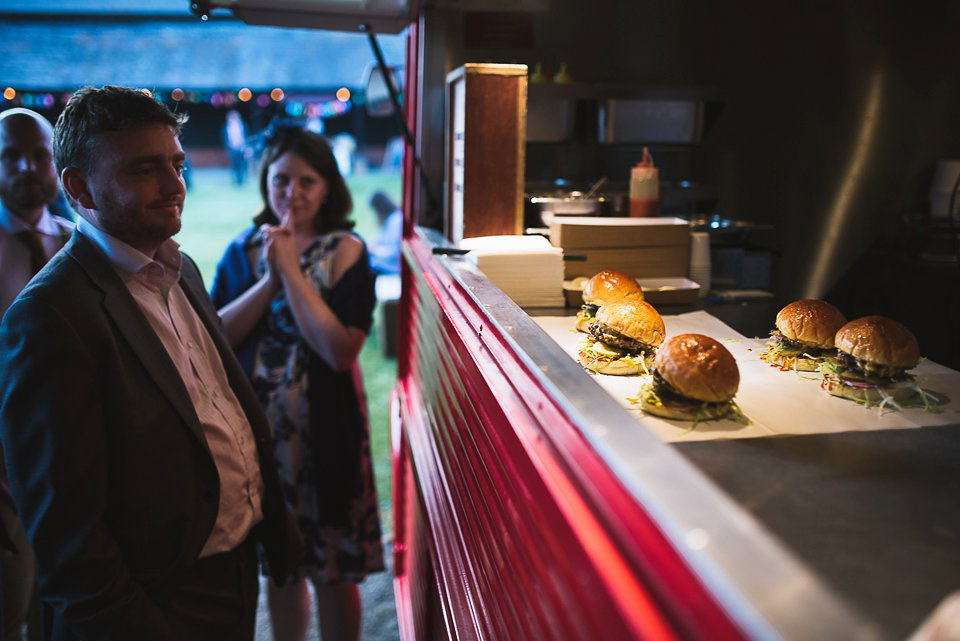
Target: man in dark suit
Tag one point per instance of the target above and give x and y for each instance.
(137, 452)
(29, 235)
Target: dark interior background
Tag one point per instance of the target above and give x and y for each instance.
(832, 116)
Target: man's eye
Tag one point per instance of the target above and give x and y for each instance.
(180, 169)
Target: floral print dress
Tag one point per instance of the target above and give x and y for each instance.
(319, 421)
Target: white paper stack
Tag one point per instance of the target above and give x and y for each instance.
(528, 269)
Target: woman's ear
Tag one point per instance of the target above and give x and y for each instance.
(75, 185)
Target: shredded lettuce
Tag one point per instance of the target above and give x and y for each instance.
(876, 394)
(698, 411)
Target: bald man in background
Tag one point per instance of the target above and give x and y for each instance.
(29, 233)
(29, 236)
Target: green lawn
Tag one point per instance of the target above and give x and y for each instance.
(216, 211)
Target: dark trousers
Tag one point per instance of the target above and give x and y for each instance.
(19, 603)
(217, 598)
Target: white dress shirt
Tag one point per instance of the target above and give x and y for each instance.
(153, 284)
(15, 265)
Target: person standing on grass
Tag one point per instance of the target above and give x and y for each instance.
(138, 455)
(296, 296)
(29, 236)
(235, 140)
(385, 250)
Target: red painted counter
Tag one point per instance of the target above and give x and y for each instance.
(529, 506)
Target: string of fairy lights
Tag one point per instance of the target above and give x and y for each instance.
(295, 105)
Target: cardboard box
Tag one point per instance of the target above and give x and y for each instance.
(641, 247)
(639, 262)
(582, 232)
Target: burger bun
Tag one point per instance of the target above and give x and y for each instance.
(636, 319)
(800, 363)
(898, 392)
(811, 322)
(698, 367)
(630, 366)
(879, 340)
(686, 412)
(584, 321)
(609, 286)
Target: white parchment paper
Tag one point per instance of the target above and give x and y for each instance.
(776, 402)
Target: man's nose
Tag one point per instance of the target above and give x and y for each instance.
(173, 182)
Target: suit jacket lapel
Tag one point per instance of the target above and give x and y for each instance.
(192, 287)
(121, 307)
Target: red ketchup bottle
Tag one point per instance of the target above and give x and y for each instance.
(644, 187)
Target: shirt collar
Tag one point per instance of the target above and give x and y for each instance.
(127, 260)
(11, 224)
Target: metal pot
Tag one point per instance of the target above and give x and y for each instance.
(543, 207)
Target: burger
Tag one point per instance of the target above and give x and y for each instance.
(873, 356)
(694, 379)
(623, 338)
(804, 335)
(607, 286)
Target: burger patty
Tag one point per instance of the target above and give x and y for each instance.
(613, 338)
(796, 345)
(669, 395)
(873, 370)
(663, 388)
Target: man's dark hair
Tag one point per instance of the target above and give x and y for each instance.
(316, 152)
(91, 111)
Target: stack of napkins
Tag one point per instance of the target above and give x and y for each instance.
(528, 269)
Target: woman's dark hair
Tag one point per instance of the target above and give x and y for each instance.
(316, 151)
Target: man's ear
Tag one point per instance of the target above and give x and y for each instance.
(75, 184)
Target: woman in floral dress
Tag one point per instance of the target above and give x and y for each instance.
(296, 296)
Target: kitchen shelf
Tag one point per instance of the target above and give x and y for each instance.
(585, 91)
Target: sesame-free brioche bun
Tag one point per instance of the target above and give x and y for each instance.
(609, 286)
(616, 366)
(879, 340)
(898, 392)
(800, 363)
(623, 338)
(636, 319)
(813, 323)
(698, 367)
(584, 321)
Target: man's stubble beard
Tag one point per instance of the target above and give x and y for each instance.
(139, 233)
(24, 193)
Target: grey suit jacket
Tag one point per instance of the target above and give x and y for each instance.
(107, 461)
